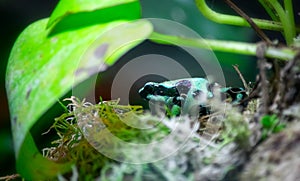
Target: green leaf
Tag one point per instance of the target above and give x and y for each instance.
(73, 14)
(279, 128)
(270, 9)
(266, 121)
(41, 69)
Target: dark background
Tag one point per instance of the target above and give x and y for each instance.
(17, 14)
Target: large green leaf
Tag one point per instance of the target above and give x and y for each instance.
(41, 69)
(72, 14)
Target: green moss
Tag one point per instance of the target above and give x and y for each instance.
(74, 143)
(81, 136)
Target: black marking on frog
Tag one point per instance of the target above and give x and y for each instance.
(152, 88)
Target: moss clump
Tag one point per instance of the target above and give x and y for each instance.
(193, 152)
(80, 132)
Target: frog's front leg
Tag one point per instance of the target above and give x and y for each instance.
(175, 105)
(157, 98)
(195, 103)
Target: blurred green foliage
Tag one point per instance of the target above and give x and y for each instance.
(270, 124)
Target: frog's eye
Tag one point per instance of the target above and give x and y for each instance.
(149, 87)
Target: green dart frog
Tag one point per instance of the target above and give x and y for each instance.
(183, 96)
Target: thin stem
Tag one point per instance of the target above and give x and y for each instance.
(236, 20)
(223, 46)
(259, 32)
(236, 67)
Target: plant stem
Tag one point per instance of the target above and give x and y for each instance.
(236, 20)
(290, 29)
(284, 19)
(270, 9)
(224, 46)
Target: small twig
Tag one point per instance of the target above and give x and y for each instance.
(259, 32)
(241, 77)
(10, 177)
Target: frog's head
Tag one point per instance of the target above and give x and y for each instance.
(151, 89)
(148, 89)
